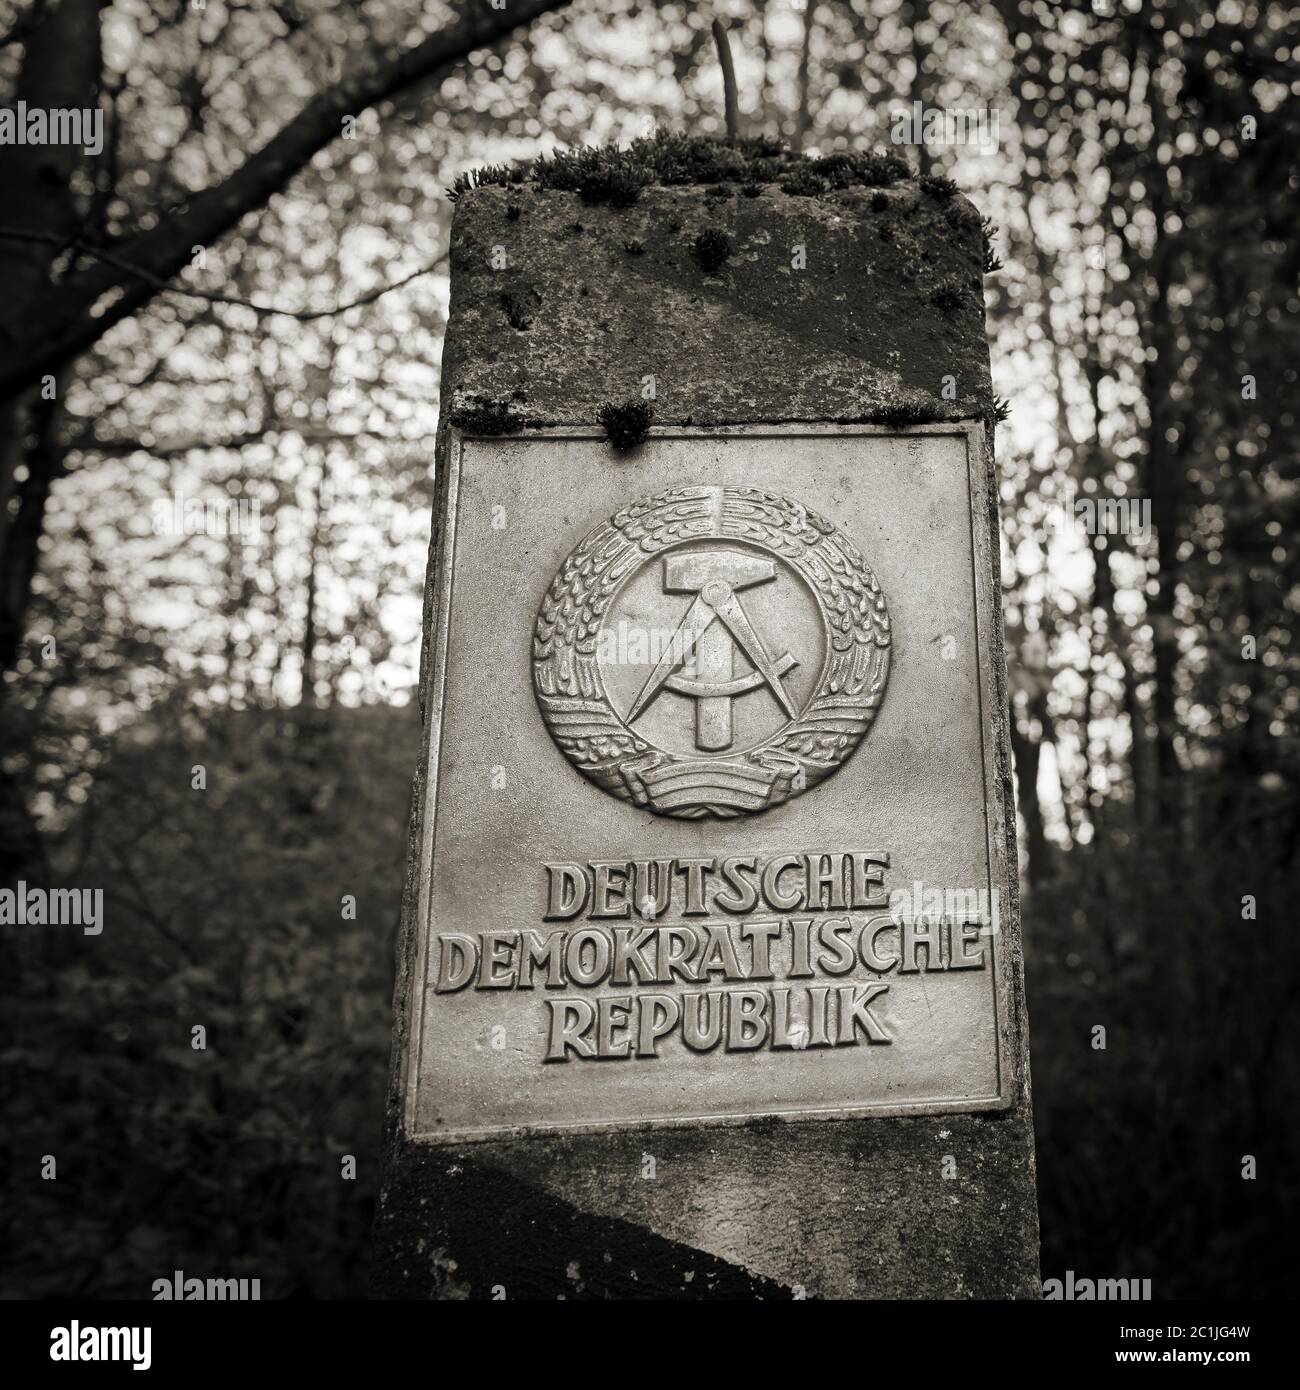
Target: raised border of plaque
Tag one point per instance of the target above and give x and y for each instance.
(990, 694)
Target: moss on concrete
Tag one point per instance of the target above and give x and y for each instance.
(486, 417)
(617, 177)
(850, 330)
(626, 425)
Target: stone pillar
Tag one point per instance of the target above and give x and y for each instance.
(815, 508)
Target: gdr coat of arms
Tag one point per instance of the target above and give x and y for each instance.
(711, 651)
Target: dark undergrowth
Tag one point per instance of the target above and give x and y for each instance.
(225, 910)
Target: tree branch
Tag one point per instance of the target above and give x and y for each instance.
(212, 297)
(88, 442)
(65, 312)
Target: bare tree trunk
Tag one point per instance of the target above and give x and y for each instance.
(803, 117)
(916, 12)
(1069, 811)
(1026, 755)
(765, 91)
(307, 693)
(1164, 480)
(21, 552)
(21, 848)
(235, 602)
(1163, 465)
(60, 69)
(1134, 711)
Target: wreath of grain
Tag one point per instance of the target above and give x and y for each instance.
(572, 612)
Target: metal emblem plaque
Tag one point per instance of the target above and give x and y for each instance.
(711, 546)
(709, 826)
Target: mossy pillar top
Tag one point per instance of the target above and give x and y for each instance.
(675, 1016)
(793, 299)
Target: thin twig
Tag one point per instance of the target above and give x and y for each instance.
(165, 286)
(803, 115)
(729, 98)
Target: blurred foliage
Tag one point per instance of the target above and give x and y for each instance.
(1142, 1143)
(1144, 182)
(224, 908)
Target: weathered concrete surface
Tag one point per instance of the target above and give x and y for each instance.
(854, 335)
(886, 309)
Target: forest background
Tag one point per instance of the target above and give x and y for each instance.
(169, 332)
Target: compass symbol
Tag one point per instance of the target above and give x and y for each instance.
(716, 625)
(722, 547)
